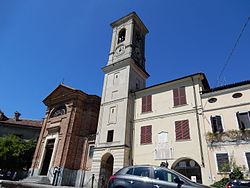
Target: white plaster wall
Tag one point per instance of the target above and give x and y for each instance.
(163, 117)
(227, 107)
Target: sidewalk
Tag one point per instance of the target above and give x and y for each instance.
(20, 184)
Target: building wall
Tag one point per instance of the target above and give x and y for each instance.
(71, 132)
(226, 106)
(25, 132)
(163, 117)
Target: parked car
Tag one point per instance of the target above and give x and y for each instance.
(238, 184)
(150, 177)
(13, 174)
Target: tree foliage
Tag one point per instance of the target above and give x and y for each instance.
(16, 153)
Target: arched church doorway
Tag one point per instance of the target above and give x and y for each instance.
(189, 168)
(106, 170)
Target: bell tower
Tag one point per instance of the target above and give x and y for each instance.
(128, 40)
(124, 73)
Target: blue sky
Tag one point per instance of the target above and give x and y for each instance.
(44, 42)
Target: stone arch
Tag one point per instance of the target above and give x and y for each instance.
(106, 169)
(121, 35)
(58, 111)
(188, 167)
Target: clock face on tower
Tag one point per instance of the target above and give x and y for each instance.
(119, 50)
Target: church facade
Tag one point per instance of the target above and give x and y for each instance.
(176, 121)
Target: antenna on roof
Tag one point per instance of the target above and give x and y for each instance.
(62, 82)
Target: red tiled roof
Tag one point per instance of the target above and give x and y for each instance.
(24, 122)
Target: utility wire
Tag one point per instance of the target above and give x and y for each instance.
(232, 51)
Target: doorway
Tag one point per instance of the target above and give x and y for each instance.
(106, 170)
(47, 158)
(189, 168)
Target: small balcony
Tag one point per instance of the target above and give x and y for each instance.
(230, 137)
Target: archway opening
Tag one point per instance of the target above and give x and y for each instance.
(106, 169)
(48, 154)
(189, 168)
(121, 35)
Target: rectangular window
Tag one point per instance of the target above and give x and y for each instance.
(216, 124)
(91, 151)
(116, 78)
(147, 103)
(182, 130)
(179, 96)
(112, 114)
(146, 134)
(110, 136)
(243, 120)
(248, 159)
(222, 162)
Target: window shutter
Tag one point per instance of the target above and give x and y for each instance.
(182, 95)
(149, 102)
(185, 129)
(176, 97)
(182, 130)
(144, 103)
(243, 120)
(219, 124)
(178, 130)
(213, 124)
(146, 134)
(142, 134)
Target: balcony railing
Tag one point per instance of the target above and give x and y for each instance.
(228, 137)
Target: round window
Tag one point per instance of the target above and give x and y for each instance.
(237, 95)
(212, 100)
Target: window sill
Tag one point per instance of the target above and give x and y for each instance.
(146, 112)
(180, 105)
(183, 140)
(143, 144)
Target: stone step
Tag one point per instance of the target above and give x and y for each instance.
(37, 179)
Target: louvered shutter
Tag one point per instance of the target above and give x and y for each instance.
(182, 130)
(142, 135)
(178, 131)
(176, 97)
(149, 103)
(182, 96)
(146, 134)
(144, 103)
(185, 130)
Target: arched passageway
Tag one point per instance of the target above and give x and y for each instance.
(106, 169)
(189, 168)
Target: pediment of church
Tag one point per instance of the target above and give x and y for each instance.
(60, 93)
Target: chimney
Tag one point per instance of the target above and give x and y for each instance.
(17, 115)
(2, 116)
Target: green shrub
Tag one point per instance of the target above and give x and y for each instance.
(236, 174)
(221, 184)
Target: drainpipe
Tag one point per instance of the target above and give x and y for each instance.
(132, 130)
(198, 124)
